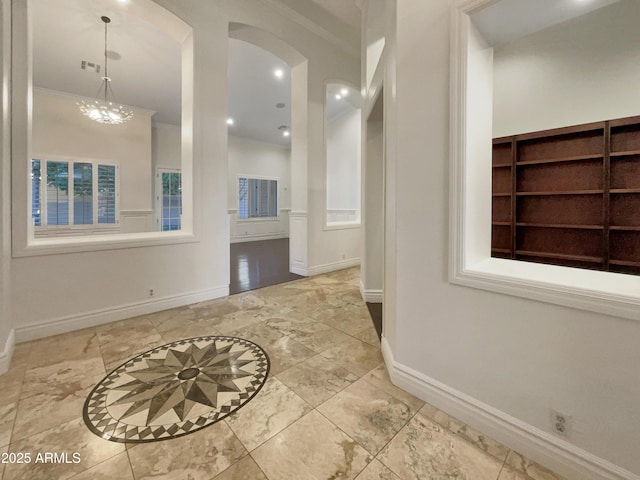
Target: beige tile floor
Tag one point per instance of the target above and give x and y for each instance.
(327, 411)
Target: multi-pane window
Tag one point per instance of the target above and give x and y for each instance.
(171, 207)
(257, 198)
(36, 180)
(107, 194)
(73, 193)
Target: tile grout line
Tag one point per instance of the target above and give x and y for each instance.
(275, 434)
(93, 466)
(503, 464)
(348, 436)
(391, 440)
(258, 465)
(106, 373)
(334, 394)
(18, 399)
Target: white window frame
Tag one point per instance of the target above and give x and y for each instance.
(257, 219)
(159, 193)
(470, 261)
(44, 229)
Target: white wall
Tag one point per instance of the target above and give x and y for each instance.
(372, 266)
(374, 36)
(6, 324)
(252, 159)
(584, 70)
(165, 146)
(103, 285)
(314, 248)
(343, 162)
(60, 131)
(519, 357)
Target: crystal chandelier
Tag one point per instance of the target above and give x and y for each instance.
(102, 110)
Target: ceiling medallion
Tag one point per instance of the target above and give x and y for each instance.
(102, 110)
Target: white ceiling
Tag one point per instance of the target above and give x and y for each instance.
(338, 103)
(345, 10)
(254, 92)
(147, 74)
(145, 63)
(145, 66)
(508, 20)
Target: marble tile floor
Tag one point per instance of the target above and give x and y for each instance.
(327, 410)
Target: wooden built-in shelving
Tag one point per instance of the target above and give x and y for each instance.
(569, 196)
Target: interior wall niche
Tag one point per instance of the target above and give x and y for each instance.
(80, 183)
(481, 210)
(343, 154)
(569, 196)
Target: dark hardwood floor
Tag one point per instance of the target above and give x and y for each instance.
(375, 310)
(266, 262)
(259, 264)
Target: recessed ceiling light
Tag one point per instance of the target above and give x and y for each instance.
(230, 121)
(123, 1)
(286, 133)
(344, 92)
(279, 73)
(338, 96)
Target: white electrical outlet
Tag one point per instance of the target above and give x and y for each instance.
(561, 423)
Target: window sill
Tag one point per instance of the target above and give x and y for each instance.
(74, 230)
(258, 219)
(603, 292)
(342, 226)
(89, 243)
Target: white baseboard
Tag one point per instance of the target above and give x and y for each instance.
(326, 268)
(7, 352)
(370, 296)
(538, 445)
(258, 236)
(299, 270)
(113, 314)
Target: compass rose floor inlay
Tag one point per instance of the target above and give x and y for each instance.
(176, 389)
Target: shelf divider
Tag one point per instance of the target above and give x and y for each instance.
(560, 225)
(576, 158)
(560, 192)
(606, 197)
(560, 256)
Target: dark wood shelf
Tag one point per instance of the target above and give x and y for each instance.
(501, 250)
(560, 256)
(501, 224)
(628, 153)
(561, 192)
(625, 263)
(560, 225)
(576, 158)
(624, 190)
(623, 228)
(501, 194)
(501, 165)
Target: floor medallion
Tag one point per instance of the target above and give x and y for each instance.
(176, 389)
